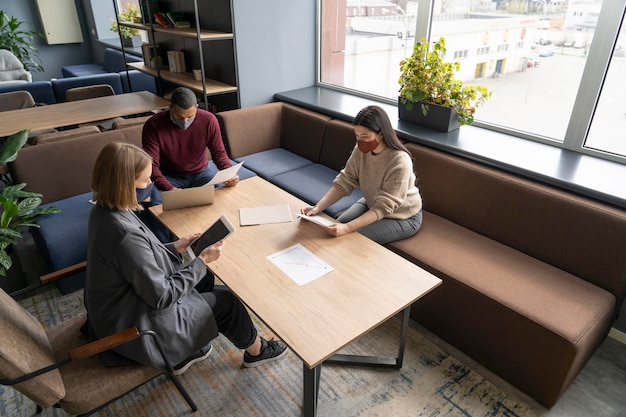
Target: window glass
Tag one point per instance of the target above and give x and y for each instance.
(531, 55)
(609, 120)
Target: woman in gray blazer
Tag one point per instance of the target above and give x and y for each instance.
(135, 280)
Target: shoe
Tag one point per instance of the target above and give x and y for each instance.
(270, 351)
(200, 355)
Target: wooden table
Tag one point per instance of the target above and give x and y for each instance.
(369, 283)
(76, 112)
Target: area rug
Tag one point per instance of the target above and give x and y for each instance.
(430, 383)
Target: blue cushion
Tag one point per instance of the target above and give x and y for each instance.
(310, 183)
(138, 81)
(81, 70)
(40, 90)
(114, 60)
(61, 85)
(62, 237)
(270, 163)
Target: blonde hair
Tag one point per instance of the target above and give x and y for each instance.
(117, 168)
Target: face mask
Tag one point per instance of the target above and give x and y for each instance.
(366, 147)
(143, 193)
(182, 123)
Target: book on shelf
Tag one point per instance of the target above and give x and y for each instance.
(176, 61)
(158, 18)
(179, 19)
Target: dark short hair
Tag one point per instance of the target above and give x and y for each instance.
(375, 119)
(113, 181)
(184, 98)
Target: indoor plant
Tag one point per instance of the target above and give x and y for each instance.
(18, 208)
(130, 36)
(19, 42)
(427, 80)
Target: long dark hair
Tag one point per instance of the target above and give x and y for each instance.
(375, 119)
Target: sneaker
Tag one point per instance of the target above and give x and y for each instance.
(200, 355)
(270, 351)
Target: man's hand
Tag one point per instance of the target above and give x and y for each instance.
(232, 182)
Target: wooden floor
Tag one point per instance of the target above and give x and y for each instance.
(599, 390)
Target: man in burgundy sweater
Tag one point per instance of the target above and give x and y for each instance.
(177, 139)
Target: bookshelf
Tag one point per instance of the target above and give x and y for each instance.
(209, 45)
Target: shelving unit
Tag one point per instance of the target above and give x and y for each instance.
(211, 33)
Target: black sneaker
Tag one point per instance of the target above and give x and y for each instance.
(200, 355)
(270, 350)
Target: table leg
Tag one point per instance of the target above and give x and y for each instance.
(376, 360)
(311, 379)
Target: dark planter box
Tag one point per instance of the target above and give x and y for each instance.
(438, 117)
(133, 42)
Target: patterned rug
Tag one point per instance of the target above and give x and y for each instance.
(430, 383)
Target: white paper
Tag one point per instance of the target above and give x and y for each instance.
(225, 174)
(301, 265)
(264, 215)
(322, 221)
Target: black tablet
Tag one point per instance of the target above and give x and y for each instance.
(219, 230)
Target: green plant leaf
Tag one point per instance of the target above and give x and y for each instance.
(5, 262)
(15, 142)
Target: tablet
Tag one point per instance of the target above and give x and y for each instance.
(221, 229)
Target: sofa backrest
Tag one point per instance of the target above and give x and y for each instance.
(339, 141)
(61, 85)
(63, 169)
(41, 91)
(114, 60)
(251, 130)
(302, 131)
(576, 234)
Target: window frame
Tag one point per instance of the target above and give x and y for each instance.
(612, 14)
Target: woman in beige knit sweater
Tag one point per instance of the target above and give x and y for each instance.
(381, 166)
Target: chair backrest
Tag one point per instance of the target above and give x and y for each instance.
(24, 348)
(132, 121)
(90, 91)
(11, 69)
(16, 100)
(62, 135)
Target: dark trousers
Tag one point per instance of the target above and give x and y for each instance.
(231, 316)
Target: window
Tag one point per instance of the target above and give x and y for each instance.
(554, 67)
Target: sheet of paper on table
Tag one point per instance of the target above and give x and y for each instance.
(300, 264)
(263, 215)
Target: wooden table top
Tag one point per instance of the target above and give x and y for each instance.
(369, 283)
(76, 112)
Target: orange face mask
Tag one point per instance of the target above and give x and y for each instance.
(366, 147)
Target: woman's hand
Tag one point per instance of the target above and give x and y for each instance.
(182, 243)
(211, 253)
(338, 229)
(310, 211)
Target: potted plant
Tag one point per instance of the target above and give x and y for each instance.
(428, 83)
(18, 208)
(19, 42)
(130, 36)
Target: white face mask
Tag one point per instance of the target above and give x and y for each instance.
(181, 123)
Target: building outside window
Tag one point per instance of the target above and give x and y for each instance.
(555, 66)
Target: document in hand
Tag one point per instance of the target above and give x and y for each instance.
(225, 174)
(322, 221)
(221, 229)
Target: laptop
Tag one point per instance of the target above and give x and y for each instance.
(188, 197)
